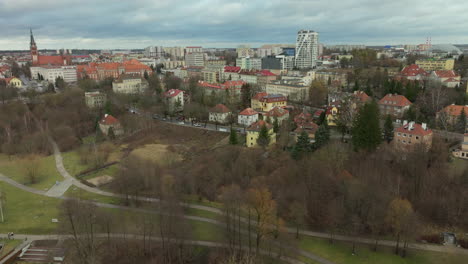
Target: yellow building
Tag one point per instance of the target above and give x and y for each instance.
(436, 64)
(253, 133)
(264, 102)
(332, 115)
(14, 82)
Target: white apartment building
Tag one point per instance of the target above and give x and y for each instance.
(294, 92)
(193, 49)
(176, 52)
(247, 63)
(154, 51)
(129, 84)
(195, 59)
(306, 49)
(50, 73)
(244, 51)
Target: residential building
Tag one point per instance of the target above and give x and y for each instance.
(462, 151)
(176, 52)
(196, 49)
(259, 77)
(215, 62)
(230, 73)
(130, 84)
(210, 76)
(333, 75)
(413, 72)
(244, 51)
(451, 114)
(169, 64)
(220, 114)
(436, 64)
(247, 63)
(174, 100)
(411, 135)
(196, 59)
(346, 48)
(306, 49)
(331, 115)
(50, 73)
(95, 99)
(264, 102)
(394, 105)
(253, 132)
(13, 82)
(154, 52)
(247, 116)
(309, 127)
(101, 71)
(109, 122)
(271, 63)
(448, 78)
(294, 92)
(277, 113)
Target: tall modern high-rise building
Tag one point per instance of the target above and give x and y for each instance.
(306, 49)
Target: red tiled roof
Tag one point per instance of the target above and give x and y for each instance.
(451, 80)
(277, 112)
(361, 96)
(455, 110)
(259, 96)
(417, 130)
(413, 70)
(318, 113)
(248, 111)
(445, 74)
(109, 120)
(52, 60)
(302, 118)
(220, 108)
(329, 110)
(172, 93)
(258, 125)
(273, 98)
(310, 127)
(231, 69)
(394, 100)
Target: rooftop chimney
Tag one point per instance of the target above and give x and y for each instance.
(405, 122)
(424, 126)
(411, 125)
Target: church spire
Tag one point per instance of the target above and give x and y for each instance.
(33, 43)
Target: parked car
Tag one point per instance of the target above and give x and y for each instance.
(222, 129)
(197, 125)
(155, 116)
(181, 123)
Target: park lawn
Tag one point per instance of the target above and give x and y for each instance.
(76, 192)
(202, 213)
(28, 213)
(15, 169)
(72, 163)
(8, 245)
(340, 253)
(111, 171)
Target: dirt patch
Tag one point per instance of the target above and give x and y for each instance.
(158, 153)
(101, 180)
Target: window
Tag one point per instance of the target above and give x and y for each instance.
(404, 141)
(410, 135)
(417, 137)
(404, 135)
(399, 134)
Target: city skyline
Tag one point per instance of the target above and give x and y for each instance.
(218, 23)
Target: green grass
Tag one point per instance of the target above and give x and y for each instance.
(27, 213)
(15, 168)
(340, 253)
(203, 213)
(71, 162)
(76, 192)
(8, 245)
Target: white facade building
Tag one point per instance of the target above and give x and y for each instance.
(247, 63)
(176, 52)
(247, 117)
(50, 73)
(195, 59)
(154, 52)
(306, 49)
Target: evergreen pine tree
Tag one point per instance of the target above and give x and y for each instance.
(322, 136)
(388, 129)
(245, 95)
(275, 125)
(233, 137)
(302, 146)
(461, 122)
(111, 133)
(263, 137)
(366, 129)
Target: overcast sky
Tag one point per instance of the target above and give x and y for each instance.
(227, 23)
